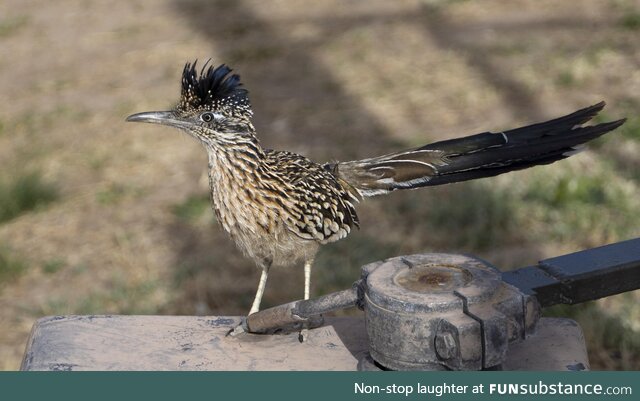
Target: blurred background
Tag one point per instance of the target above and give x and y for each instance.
(102, 217)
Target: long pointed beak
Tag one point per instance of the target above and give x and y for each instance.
(159, 117)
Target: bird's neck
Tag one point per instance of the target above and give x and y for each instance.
(234, 171)
(235, 164)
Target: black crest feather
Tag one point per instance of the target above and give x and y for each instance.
(212, 89)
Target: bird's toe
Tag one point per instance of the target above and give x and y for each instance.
(239, 329)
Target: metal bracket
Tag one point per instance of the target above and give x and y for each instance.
(581, 276)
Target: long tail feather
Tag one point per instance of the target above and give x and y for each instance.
(476, 156)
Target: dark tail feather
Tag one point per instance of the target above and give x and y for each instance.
(482, 155)
(557, 145)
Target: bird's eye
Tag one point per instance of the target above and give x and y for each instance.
(207, 117)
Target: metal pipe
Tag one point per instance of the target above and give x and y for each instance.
(299, 312)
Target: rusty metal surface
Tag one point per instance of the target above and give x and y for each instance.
(442, 311)
(445, 311)
(327, 303)
(274, 319)
(298, 314)
(199, 343)
(581, 276)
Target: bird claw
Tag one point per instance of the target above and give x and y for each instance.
(303, 335)
(239, 329)
(307, 327)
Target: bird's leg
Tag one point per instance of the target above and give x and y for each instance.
(307, 277)
(304, 332)
(241, 328)
(261, 285)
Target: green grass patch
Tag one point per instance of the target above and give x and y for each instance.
(33, 124)
(617, 147)
(631, 128)
(53, 266)
(337, 265)
(570, 191)
(11, 267)
(115, 193)
(475, 216)
(567, 203)
(631, 21)
(23, 194)
(97, 162)
(123, 298)
(582, 204)
(566, 79)
(599, 142)
(9, 26)
(192, 208)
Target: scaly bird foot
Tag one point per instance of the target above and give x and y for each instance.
(303, 335)
(239, 329)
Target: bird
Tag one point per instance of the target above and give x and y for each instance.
(280, 207)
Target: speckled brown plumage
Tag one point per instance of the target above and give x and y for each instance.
(279, 207)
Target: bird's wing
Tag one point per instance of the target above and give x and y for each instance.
(319, 208)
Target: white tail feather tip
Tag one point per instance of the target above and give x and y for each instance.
(574, 150)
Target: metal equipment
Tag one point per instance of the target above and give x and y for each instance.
(443, 311)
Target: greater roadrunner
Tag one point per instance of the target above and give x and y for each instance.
(279, 207)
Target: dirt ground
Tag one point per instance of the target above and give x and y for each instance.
(130, 231)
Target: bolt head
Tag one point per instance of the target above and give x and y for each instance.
(446, 346)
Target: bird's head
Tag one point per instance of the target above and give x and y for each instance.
(213, 107)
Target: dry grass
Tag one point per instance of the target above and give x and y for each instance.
(130, 230)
